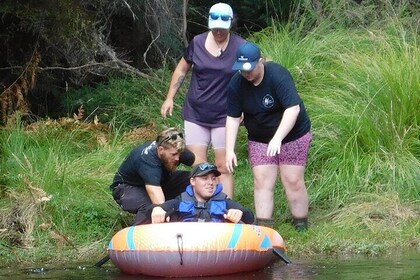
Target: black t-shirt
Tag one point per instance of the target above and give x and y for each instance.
(263, 105)
(143, 167)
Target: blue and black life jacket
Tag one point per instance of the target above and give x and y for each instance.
(196, 211)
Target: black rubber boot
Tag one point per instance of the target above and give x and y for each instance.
(301, 224)
(265, 222)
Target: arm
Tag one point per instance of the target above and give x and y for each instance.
(232, 127)
(178, 77)
(234, 208)
(286, 124)
(155, 194)
(161, 213)
(233, 215)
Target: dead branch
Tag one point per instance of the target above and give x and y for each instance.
(131, 10)
(115, 64)
(184, 23)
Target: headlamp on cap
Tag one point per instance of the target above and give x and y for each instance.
(247, 57)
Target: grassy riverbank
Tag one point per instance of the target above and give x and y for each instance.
(361, 88)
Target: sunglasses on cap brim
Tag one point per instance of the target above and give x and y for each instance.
(206, 166)
(172, 137)
(216, 16)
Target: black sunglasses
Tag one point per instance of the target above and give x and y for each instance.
(172, 137)
(215, 16)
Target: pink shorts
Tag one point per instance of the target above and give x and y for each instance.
(291, 153)
(202, 135)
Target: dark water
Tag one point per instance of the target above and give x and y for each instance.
(395, 266)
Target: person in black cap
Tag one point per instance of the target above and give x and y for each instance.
(202, 201)
(148, 174)
(279, 132)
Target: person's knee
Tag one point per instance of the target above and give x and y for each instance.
(264, 184)
(117, 193)
(221, 166)
(220, 162)
(134, 199)
(261, 186)
(265, 177)
(293, 182)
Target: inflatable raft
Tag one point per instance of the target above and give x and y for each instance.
(193, 249)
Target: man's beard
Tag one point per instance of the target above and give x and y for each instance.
(168, 164)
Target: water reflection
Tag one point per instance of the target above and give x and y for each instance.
(404, 266)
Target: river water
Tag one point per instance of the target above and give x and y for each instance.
(395, 266)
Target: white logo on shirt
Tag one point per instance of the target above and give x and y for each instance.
(268, 101)
(148, 148)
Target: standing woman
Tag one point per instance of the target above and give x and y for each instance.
(279, 132)
(210, 56)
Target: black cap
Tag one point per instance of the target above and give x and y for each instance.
(247, 57)
(203, 169)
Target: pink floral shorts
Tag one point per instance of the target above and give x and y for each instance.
(291, 153)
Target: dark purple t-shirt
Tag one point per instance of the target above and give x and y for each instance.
(206, 101)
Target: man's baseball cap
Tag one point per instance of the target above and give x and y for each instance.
(204, 169)
(247, 57)
(220, 16)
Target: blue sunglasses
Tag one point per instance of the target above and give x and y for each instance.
(206, 166)
(215, 16)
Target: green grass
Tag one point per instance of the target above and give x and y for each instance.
(359, 80)
(361, 90)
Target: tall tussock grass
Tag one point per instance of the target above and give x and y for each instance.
(52, 185)
(361, 88)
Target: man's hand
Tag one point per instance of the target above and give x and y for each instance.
(158, 215)
(233, 215)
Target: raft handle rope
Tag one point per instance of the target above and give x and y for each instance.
(180, 247)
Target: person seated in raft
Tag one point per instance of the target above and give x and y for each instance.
(202, 201)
